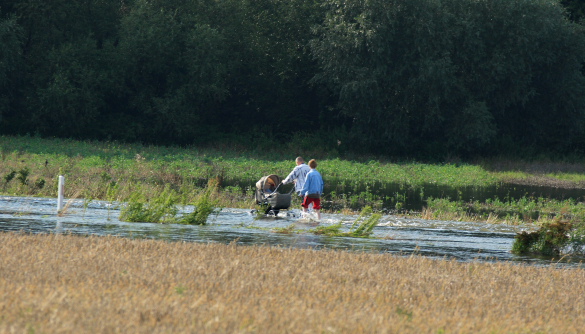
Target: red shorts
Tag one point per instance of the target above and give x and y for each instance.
(308, 200)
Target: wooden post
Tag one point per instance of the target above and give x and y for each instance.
(60, 193)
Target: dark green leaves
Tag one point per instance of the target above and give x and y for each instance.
(460, 73)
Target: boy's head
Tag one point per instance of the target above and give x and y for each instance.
(313, 164)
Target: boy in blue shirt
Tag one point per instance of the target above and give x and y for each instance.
(313, 189)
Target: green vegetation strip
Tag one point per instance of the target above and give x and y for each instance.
(523, 210)
(138, 174)
(231, 166)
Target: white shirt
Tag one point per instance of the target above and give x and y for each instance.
(299, 173)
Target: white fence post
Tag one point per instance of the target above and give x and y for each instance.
(60, 193)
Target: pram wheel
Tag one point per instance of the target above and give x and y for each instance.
(269, 211)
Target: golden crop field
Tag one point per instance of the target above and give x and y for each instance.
(74, 284)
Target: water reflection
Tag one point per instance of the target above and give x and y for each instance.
(414, 199)
(464, 241)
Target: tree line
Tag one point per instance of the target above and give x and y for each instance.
(381, 76)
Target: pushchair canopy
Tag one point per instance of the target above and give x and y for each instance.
(267, 193)
(268, 183)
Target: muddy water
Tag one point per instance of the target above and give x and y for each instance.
(464, 241)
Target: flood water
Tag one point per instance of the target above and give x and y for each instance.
(414, 198)
(463, 241)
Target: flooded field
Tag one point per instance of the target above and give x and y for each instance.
(414, 198)
(464, 241)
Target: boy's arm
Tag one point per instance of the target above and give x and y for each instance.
(290, 176)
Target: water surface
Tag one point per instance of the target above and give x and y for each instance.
(463, 241)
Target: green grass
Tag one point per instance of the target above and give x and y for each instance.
(523, 210)
(29, 166)
(234, 166)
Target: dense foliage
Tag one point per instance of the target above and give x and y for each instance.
(553, 238)
(575, 8)
(384, 76)
(460, 73)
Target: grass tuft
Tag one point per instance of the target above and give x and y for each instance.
(362, 227)
(204, 205)
(160, 209)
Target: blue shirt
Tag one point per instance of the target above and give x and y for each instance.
(313, 183)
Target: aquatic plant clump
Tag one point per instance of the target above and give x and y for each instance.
(362, 227)
(553, 238)
(160, 209)
(204, 206)
(163, 208)
(365, 223)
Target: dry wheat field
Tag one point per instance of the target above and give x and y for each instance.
(74, 284)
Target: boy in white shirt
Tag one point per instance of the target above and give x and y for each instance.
(298, 175)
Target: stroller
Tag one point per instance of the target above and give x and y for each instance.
(267, 194)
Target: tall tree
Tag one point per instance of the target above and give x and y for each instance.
(270, 66)
(60, 38)
(453, 74)
(175, 68)
(575, 9)
(10, 62)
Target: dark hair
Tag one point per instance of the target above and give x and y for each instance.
(313, 163)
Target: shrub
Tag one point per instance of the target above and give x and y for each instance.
(551, 239)
(205, 205)
(160, 209)
(163, 208)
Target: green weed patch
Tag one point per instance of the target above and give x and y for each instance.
(163, 208)
(523, 210)
(362, 227)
